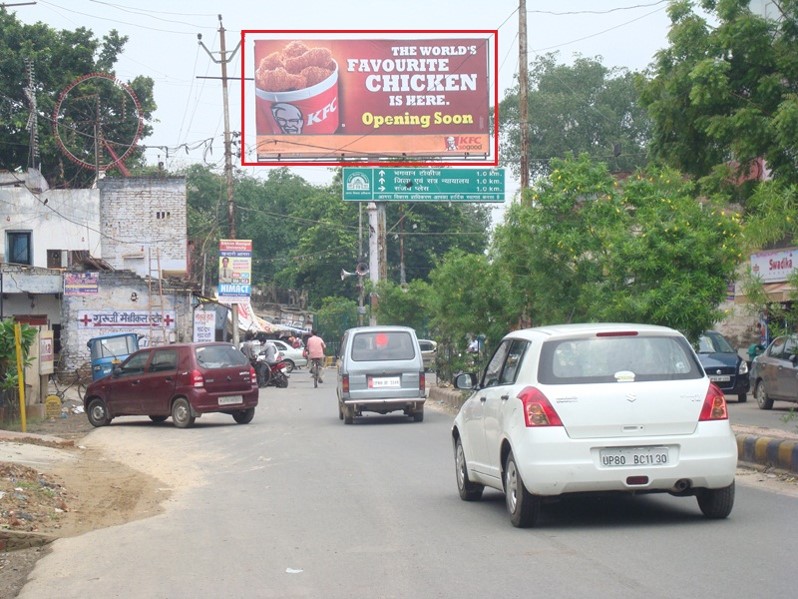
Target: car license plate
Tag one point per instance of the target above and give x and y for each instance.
(385, 382)
(624, 457)
(230, 400)
(725, 378)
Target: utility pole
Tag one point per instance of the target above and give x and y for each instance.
(224, 59)
(523, 78)
(228, 152)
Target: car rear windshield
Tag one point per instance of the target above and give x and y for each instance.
(616, 359)
(383, 345)
(219, 356)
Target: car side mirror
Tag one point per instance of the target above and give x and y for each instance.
(465, 380)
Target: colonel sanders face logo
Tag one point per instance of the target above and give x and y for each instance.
(451, 143)
(288, 117)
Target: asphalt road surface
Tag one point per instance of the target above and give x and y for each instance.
(297, 504)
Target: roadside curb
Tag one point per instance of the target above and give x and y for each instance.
(46, 440)
(768, 451)
(759, 450)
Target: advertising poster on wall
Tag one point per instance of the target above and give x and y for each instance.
(235, 270)
(338, 98)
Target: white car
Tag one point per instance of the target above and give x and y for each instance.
(292, 355)
(584, 408)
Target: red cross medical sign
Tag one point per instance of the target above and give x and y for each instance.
(121, 319)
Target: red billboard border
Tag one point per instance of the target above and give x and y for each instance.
(354, 161)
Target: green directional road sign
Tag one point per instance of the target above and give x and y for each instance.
(379, 184)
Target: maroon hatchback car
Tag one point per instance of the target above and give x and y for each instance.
(183, 381)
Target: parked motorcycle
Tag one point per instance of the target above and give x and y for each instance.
(272, 375)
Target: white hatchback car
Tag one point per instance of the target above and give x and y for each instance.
(584, 408)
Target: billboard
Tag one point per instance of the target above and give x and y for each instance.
(235, 270)
(368, 99)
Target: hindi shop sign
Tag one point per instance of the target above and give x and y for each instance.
(337, 99)
(235, 270)
(423, 184)
(122, 319)
(204, 325)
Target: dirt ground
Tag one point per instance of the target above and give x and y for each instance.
(69, 499)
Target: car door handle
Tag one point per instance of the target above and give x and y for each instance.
(505, 397)
(483, 399)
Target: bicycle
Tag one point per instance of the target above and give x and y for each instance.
(315, 370)
(63, 381)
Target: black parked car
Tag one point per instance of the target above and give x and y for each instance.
(723, 365)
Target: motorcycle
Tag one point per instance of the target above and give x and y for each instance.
(272, 375)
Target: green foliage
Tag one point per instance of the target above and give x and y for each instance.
(573, 109)
(592, 249)
(8, 352)
(405, 306)
(58, 58)
(335, 315)
(725, 89)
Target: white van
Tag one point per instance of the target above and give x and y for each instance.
(380, 369)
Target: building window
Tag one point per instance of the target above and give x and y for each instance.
(163, 214)
(19, 247)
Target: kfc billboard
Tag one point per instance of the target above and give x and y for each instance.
(338, 99)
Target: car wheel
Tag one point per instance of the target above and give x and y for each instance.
(762, 399)
(524, 507)
(349, 414)
(418, 415)
(157, 419)
(742, 397)
(244, 416)
(468, 491)
(97, 412)
(289, 366)
(716, 503)
(340, 412)
(181, 413)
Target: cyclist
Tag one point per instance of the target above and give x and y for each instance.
(315, 347)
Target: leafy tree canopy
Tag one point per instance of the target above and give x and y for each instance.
(573, 109)
(59, 57)
(591, 248)
(725, 89)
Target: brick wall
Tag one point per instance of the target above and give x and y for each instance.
(139, 215)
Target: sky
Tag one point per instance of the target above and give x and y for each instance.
(189, 125)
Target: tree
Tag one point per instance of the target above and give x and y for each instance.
(58, 58)
(724, 91)
(575, 109)
(591, 248)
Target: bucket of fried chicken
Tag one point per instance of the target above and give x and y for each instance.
(296, 91)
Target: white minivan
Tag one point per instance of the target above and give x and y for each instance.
(380, 369)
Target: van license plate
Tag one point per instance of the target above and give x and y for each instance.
(230, 400)
(385, 382)
(621, 457)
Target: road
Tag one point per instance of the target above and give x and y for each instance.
(297, 504)
(749, 414)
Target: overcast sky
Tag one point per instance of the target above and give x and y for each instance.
(163, 45)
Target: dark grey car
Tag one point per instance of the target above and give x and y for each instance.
(774, 374)
(380, 369)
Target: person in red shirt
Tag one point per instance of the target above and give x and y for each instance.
(315, 347)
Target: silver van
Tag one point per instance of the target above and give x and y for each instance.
(380, 369)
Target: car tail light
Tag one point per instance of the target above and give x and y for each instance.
(422, 381)
(196, 379)
(538, 411)
(345, 383)
(714, 407)
(253, 376)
